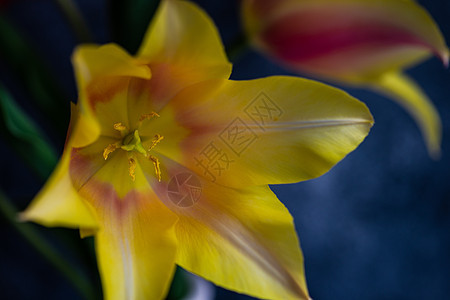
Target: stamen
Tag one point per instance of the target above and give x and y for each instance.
(131, 141)
(109, 149)
(148, 116)
(158, 138)
(119, 126)
(157, 167)
(132, 168)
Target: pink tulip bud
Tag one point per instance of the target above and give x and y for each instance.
(346, 40)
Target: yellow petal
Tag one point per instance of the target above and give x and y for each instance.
(348, 40)
(135, 242)
(94, 62)
(241, 239)
(83, 128)
(182, 33)
(411, 97)
(58, 203)
(111, 104)
(135, 247)
(183, 47)
(99, 71)
(267, 131)
(87, 232)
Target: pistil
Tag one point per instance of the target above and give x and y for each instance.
(131, 142)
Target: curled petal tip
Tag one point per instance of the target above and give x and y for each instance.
(435, 155)
(408, 94)
(21, 217)
(434, 150)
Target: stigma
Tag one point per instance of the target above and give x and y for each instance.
(132, 143)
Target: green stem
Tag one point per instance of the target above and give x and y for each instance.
(76, 20)
(28, 232)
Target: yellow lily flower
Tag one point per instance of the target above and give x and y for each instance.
(364, 43)
(168, 162)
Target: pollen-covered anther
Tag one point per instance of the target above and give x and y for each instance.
(149, 116)
(132, 168)
(109, 149)
(157, 167)
(158, 138)
(121, 128)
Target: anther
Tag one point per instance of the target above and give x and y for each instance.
(109, 149)
(148, 116)
(158, 138)
(132, 168)
(121, 128)
(157, 167)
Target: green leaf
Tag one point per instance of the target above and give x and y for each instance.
(24, 136)
(129, 20)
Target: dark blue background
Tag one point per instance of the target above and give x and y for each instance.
(375, 227)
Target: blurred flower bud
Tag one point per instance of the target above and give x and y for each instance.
(350, 40)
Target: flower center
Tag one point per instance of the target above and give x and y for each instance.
(132, 143)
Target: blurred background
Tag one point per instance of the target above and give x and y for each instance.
(377, 226)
